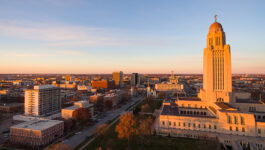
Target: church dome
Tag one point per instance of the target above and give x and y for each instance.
(216, 27)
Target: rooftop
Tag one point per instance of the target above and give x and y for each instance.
(224, 106)
(248, 101)
(189, 99)
(37, 87)
(174, 111)
(11, 104)
(72, 107)
(37, 124)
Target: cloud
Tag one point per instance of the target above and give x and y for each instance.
(61, 35)
(71, 52)
(56, 34)
(33, 54)
(29, 55)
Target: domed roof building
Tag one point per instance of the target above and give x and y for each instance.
(216, 26)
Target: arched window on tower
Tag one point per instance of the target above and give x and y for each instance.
(220, 99)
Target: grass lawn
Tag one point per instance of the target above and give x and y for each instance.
(150, 143)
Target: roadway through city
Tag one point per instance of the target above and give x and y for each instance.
(77, 139)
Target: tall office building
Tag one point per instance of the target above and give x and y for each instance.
(42, 100)
(118, 77)
(135, 79)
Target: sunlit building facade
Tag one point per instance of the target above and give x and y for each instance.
(42, 100)
(217, 113)
(118, 78)
(171, 86)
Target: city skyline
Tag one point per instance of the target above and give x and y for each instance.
(145, 37)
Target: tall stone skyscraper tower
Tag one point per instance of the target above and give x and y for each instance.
(217, 78)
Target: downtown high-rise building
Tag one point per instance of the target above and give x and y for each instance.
(135, 79)
(42, 100)
(117, 76)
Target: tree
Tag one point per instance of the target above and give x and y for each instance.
(127, 127)
(161, 95)
(59, 146)
(101, 129)
(146, 108)
(99, 148)
(145, 128)
(148, 99)
(81, 115)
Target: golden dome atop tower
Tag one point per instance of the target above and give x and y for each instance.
(216, 26)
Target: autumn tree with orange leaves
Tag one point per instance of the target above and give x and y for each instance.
(59, 146)
(127, 127)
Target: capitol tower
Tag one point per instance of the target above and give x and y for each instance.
(217, 79)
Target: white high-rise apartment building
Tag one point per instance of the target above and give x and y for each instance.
(42, 100)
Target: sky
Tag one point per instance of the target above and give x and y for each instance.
(145, 36)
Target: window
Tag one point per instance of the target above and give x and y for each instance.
(210, 126)
(229, 119)
(231, 128)
(259, 131)
(217, 41)
(252, 109)
(189, 124)
(215, 127)
(179, 124)
(220, 99)
(174, 123)
(163, 123)
(204, 126)
(236, 128)
(243, 129)
(183, 124)
(194, 125)
(242, 120)
(169, 122)
(235, 120)
(199, 126)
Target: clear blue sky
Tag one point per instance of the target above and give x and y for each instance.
(146, 36)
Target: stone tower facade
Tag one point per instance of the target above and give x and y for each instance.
(217, 78)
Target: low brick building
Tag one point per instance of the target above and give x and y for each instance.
(12, 107)
(103, 84)
(36, 132)
(67, 113)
